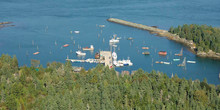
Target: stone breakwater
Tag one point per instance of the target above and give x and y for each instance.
(168, 35)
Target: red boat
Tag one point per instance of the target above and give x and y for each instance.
(36, 53)
(66, 45)
(162, 53)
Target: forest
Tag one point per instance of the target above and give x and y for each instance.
(57, 86)
(205, 37)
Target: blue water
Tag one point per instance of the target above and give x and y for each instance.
(45, 22)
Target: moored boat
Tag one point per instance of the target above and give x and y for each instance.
(76, 32)
(191, 61)
(162, 53)
(176, 59)
(66, 45)
(146, 53)
(130, 38)
(167, 63)
(114, 40)
(80, 53)
(145, 47)
(35, 53)
(87, 48)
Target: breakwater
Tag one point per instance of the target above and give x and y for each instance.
(164, 33)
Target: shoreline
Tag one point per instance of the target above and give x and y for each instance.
(164, 33)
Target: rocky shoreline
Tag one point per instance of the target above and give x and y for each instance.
(164, 33)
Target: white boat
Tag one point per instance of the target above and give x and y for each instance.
(176, 59)
(118, 38)
(76, 32)
(167, 63)
(80, 53)
(114, 40)
(114, 56)
(191, 61)
(102, 26)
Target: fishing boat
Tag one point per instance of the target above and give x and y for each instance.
(35, 53)
(145, 47)
(167, 63)
(80, 53)
(191, 61)
(130, 38)
(176, 59)
(101, 26)
(114, 40)
(66, 45)
(87, 48)
(146, 53)
(183, 63)
(181, 53)
(76, 32)
(97, 55)
(162, 53)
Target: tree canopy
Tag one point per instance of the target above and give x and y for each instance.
(58, 87)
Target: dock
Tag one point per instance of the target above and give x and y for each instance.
(105, 58)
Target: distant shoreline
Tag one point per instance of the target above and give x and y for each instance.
(164, 33)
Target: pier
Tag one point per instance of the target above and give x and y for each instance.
(105, 58)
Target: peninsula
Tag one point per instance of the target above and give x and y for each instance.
(172, 36)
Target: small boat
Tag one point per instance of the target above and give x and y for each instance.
(162, 53)
(167, 63)
(176, 59)
(145, 47)
(80, 53)
(35, 53)
(76, 32)
(161, 62)
(101, 26)
(113, 40)
(97, 55)
(66, 45)
(146, 53)
(181, 53)
(191, 61)
(183, 63)
(87, 48)
(130, 38)
(118, 38)
(157, 62)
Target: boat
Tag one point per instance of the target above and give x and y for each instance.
(191, 61)
(145, 47)
(35, 53)
(80, 53)
(167, 63)
(161, 62)
(162, 53)
(146, 53)
(76, 32)
(114, 40)
(157, 62)
(87, 48)
(130, 38)
(176, 59)
(101, 26)
(114, 56)
(181, 53)
(118, 38)
(97, 55)
(183, 63)
(66, 45)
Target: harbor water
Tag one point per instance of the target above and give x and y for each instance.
(46, 26)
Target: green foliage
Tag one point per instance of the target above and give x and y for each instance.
(205, 37)
(58, 87)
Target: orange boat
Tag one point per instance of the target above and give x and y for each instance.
(66, 45)
(162, 53)
(36, 53)
(145, 47)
